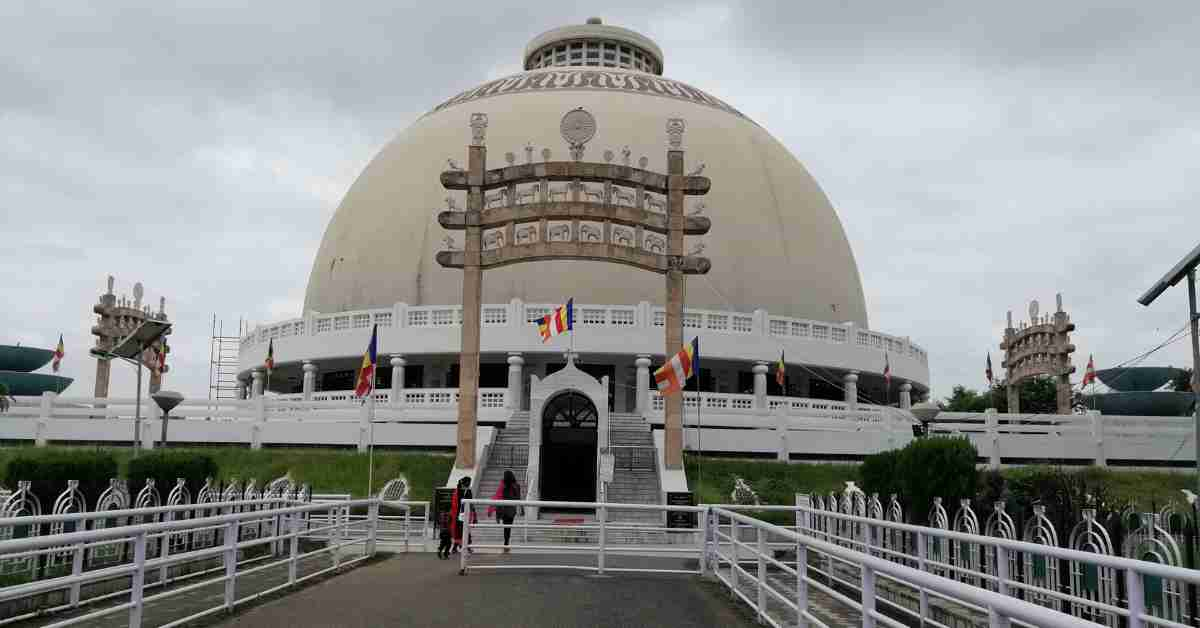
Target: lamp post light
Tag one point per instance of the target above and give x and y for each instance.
(166, 400)
(131, 349)
(1185, 269)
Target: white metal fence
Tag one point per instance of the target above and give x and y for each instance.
(183, 556)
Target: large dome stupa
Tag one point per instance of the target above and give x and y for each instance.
(776, 242)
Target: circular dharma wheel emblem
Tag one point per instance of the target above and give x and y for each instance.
(578, 126)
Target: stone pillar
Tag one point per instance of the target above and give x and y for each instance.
(673, 408)
(516, 374)
(1101, 459)
(310, 379)
(257, 390)
(905, 396)
(1063, 392)
(103, 372)
(472, 294)
(1014, 398)
(397, 394)
(643, 384)
(760, 385)
(992, 422)
(850, 383)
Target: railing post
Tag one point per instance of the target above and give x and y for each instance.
(231, 541)
(137, 581)
(761, 550)
(733, 558)
(993, 432)
(45, 411)
(76, 570)
(373, 526)
(466, 545)
(803, 501)
(1101, 459)
(164, 551)
(1136, 597)
(407, 515)
(603, 515)
(705, 530)
(922, 541)
(868, 596)
(293, 546)
(1002, 574)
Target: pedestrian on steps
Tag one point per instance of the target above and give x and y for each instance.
(508, 490)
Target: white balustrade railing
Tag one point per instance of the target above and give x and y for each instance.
(222, 549)
(744, 404)
(643, 315)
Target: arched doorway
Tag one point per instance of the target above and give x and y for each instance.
(568, 456)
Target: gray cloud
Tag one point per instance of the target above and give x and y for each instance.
(979, 154)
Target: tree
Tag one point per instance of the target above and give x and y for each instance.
(1183, 381)
(1038, 396)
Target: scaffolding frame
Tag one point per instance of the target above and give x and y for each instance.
(223, 362)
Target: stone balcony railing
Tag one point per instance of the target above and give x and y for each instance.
(643, 315)
(744, 404)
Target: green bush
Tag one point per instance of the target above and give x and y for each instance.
(164, 466)
(879, 474)
(50, 469)
(936, 467)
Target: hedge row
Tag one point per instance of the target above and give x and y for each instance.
(49, 470)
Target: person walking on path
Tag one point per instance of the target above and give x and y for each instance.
(509, 489)
(461, 493)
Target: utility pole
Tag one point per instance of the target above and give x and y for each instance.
(1186, 269)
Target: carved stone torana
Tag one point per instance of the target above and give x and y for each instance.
(117, 319)
(1041, 348)
(556, 210)
(479, 122)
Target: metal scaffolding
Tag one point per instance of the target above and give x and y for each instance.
(223, 362)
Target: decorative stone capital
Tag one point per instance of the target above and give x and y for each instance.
(906, 387)
(397, 361)
(516, 359)
(643, 361)
(851, 377)
(309, 367)
(760, 368)
(675, 127)
(479, 122)
(257, 374)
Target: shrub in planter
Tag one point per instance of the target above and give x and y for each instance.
(165, 466)
(50, 469)
(879, 474)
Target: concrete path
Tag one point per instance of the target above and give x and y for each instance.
(420, 590)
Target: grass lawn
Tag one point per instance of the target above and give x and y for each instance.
(327, 470)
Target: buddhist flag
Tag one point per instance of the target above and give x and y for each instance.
(887, 369)
(270, 361)
(560, 322)
(671, 376)
(988, 372)
(780, 371)
(162, 357)
(59, 352)
(1089, 377)
(366, 372)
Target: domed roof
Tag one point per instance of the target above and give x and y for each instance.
(776, 242)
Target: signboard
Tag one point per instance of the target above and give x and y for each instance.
(677, 519)
(607, 464)
(443, 501)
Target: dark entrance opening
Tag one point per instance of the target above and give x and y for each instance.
(568, 465)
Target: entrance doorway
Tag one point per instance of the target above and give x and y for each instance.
(568, 458)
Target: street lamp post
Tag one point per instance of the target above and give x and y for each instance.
(166, 400)
(1185, 269)
(131, 348)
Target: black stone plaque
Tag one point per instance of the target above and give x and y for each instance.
(678, 519)
(443, 501)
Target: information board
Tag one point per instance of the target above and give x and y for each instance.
(677, 519)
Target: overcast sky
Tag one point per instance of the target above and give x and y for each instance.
(980, 154)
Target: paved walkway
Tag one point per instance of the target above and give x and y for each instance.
(420, 590)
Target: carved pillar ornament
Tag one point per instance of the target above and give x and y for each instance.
(479, 122)
(675, 127)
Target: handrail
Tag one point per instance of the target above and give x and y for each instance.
(1002, 604)
(134, 512)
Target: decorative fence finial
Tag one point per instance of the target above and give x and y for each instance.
(479, 122)
(675, 127)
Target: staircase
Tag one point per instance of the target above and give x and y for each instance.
(510, 452)
(635, 477)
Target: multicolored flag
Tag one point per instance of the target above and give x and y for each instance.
(988, 372)
(671, 376)
(59, 352)
(1089, 377)
(780, 371)
(560, 322)
(366, 373)
(887, 369)
(270, 361)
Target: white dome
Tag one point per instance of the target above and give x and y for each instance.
(776, 242)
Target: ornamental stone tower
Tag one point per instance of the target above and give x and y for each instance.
(118, 317)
